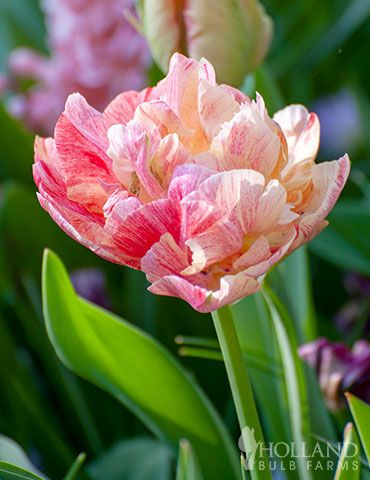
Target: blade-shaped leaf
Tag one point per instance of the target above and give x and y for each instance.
(11, 452)
(141, 458)
(294, 377)
(361, 414)
(291, 280)
(349, 464)
(9, 471)
(187, 467)
(135, 369)
(73, 472)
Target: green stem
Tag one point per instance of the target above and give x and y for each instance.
(241, 390)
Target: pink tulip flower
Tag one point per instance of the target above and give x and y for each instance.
(94, 50)
(189, 181)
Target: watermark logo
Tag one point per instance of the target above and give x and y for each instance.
(284, 456)
(248, 445)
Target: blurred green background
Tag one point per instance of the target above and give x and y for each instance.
(319, 57)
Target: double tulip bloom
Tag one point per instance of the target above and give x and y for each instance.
(189, 181)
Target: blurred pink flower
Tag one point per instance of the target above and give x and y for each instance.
(191, 182)
(339, 369)
(94, 50)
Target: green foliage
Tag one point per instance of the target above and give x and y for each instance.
(139, 458)
(361, 414)
(133, 368)
(349, 465)
(187, 467)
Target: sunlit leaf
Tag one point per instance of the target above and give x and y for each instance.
(135, 369)
(349, 465)
(361, 414)
(187, 467)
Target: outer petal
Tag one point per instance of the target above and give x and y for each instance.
(83, 226)
(232, 288)
(81, 142)
(302, 131)
(135, 233)
(329, 179)
(122, 108)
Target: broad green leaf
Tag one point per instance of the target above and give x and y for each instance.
(11, 452)
(9, 471)
(135, 369)
(141, 458)
(187, 467)
(294, 376)
(361, 414)
(76, 467)
(349, 462)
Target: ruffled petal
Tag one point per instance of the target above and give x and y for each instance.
(81, 142)
(329, 179)
(302, 132)
(247, 141)
(122, 108)
(232, 288)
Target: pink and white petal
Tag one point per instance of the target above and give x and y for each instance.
(186, 179)
(206, 71)
(272, 209)
(208, 160)
(176, 286)
(179, 88)
(83, 226)
(125, 142)
(45, 150)
(215, 108)
(232, 288)
(134, 234)
(262, 267)
(122, 108)
(81, 141)
(237, 95)
(329, 179)
(256, 253)
(170, 154)
(157, 115)
(88, 121)
(197, 216)
(164, 258)
(233, 190)
(247, 141)
(220, 241)
(302, 132)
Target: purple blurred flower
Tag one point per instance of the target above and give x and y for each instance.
(339, 369)
(94, 50)
(90, 283)
(340, 122)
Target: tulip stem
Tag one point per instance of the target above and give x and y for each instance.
(241, 391)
